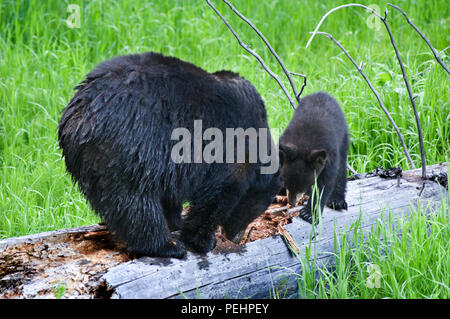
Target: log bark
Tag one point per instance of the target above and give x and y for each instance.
(86, 262)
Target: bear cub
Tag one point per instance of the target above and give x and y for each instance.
(315, 145)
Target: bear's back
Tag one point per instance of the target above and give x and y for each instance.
(317, 123)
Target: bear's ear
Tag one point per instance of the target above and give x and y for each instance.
(317, 159)
(288, 153)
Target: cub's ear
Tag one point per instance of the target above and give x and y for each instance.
(318, 159)
(288, 152)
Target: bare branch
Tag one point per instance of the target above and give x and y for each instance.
(247, 48)
(400, 136)
(303, 86)
(261, 61)
(297, 74)
(436, 55)
(335, 9)
(294, 89)
(411, 98)
(419, 129)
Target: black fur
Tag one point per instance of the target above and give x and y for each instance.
(316, 143)
(116, 139)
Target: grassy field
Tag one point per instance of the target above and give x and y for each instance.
(42, 59)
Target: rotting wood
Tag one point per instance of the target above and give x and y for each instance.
(88, 263)
(73, 259)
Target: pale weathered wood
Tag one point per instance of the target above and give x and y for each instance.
(254, 270)
(260, 266)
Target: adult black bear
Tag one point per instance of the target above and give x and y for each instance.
(116, 137)
(315, 144)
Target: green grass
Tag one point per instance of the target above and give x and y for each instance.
(405, 258)
(42, 59)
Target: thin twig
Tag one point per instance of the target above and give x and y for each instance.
(400, 136)
(335, 9)
(411, 98)
(240, 15)
(351, 169)
(276, 210)
(303, 86)
(280, 209)
(288, 238)
(436, 55)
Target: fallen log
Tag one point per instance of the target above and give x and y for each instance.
(86, 262)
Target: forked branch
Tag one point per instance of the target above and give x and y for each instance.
(303, 85)
(436, 55)
(240, 15)
(261, 61)
(360, 70)
(411, 98)
(410, 94)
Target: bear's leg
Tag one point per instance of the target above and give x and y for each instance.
(252, 205)
(141, 224)
(337, 198)
(172, 212)
(212, 205)
(325, 186)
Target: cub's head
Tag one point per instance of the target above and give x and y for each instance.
(299, 169)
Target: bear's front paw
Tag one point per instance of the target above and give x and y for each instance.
(306, 215)
(173, 248)
(198, 241)
(337, 204)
